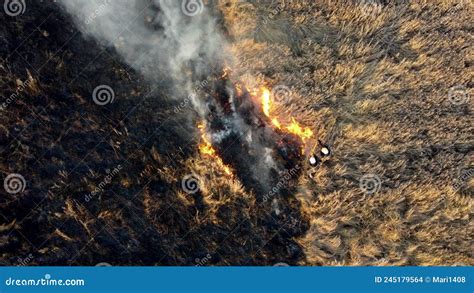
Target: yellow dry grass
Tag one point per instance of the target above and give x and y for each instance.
(384, 77)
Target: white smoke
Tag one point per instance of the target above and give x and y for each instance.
(155, 37)
(176, 41)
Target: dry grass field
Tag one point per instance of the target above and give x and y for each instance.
(391, 83)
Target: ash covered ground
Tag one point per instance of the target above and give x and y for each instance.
(389, 81)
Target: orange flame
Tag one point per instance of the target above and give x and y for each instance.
(276, 123)
(266, 102)
(294, 127)
(226, 168)
(206, 149)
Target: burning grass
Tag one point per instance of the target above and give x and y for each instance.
(206, 149)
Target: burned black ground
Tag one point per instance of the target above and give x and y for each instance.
(64, 145)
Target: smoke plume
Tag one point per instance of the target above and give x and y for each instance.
(162, 39)
(178, 41)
